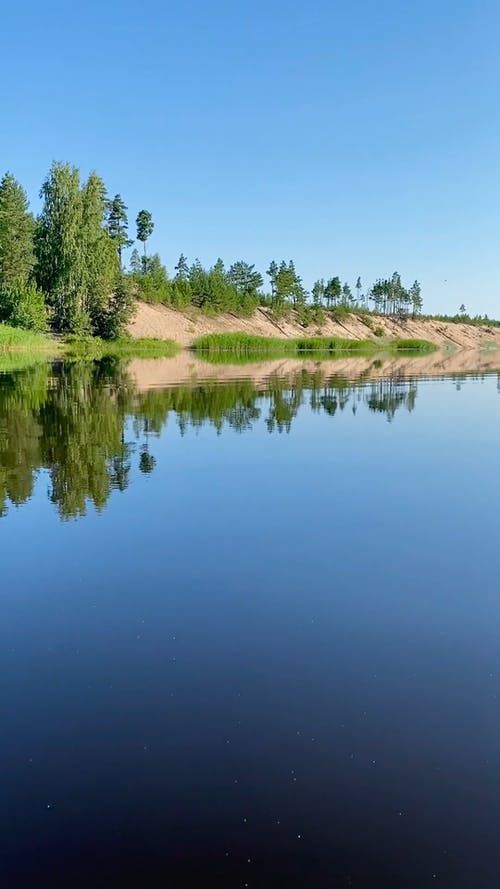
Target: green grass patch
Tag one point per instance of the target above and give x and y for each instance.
(15, 339)
(242, 346)
(413, 346)
(93, 347)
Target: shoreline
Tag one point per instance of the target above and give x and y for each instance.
(161, 322)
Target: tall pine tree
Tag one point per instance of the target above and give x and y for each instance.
(16, 234)
(117, 224)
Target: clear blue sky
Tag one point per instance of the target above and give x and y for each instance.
(356, 137)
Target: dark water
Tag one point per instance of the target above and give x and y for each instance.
(249, 636)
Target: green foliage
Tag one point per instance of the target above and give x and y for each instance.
(413, 345)
(15, 339)
(145, 225)
(95, 348)
(73, 253)
(59, 260)
(474, 321)
(339, 313)
(16, 234)
(246, 344)
(391, 298)
(22, 305)
(245, 279)
(117, 224)
(333, 291)
(99, 258)
(286, 286)
(308, 315)
(77, 261)
(152, 283)
(116, 311)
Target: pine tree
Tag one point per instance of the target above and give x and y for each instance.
(318, 292)
(272, 271)
(182, 268)
(415, 297)
(145, 226)
(244, 277)
(333, 289)
(136, 265)
(346, 295)
(16, 234)
(358, 288)
(117, 224)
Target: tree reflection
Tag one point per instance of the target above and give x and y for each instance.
(87, 426)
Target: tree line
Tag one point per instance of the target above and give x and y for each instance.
(65, 268)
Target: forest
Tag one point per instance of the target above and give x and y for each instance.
(64, 270)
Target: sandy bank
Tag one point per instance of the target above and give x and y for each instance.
(186, 369)
(164, 323)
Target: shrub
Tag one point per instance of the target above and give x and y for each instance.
(112, 318)
(23, 306)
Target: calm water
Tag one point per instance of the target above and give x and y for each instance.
(249, 636)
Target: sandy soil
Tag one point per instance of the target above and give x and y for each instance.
(186, 369)
(164, 323)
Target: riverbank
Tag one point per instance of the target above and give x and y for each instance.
(18, 346)
(186, 368)
(186, 327)
(226, 348)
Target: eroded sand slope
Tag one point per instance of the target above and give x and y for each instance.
(164, 323)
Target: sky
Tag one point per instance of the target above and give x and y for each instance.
(356, 137)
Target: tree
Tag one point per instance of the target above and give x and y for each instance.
(333, 289)
(346, 295)
(136, 264)
(358, 289)
(145, 226)
(58, 248)
(76, 260)
(182, 268)
(16, 234)
(117, 224)
(245, 278)
(377, 294)
(181, 287)
(415, 297)
(22, 305)
(318, 292)
(272, 271)
(287, 285)
(117, 310)
(100, 258)
(153, 283)
(462, 310)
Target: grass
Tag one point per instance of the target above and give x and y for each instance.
(247, 347)
(93, 347)
(14, 339)
(22, 348)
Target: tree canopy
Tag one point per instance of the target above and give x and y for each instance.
(65, 268)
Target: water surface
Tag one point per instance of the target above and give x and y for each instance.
(249, 631)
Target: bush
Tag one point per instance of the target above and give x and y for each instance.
(111, 320)
(23, 306)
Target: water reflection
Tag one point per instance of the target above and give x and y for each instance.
(72, 420)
